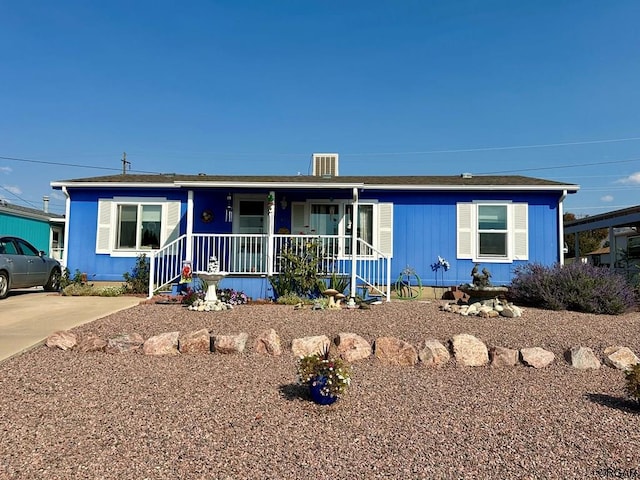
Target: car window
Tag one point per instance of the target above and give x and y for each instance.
(27, 249)
(7, 246)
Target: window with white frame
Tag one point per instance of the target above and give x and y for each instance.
(492, 231)
(126, 226)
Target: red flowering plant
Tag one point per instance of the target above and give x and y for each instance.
(337, 373)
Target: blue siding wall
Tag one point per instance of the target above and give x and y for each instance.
(33, 231)
(81, 243)
(425, 228)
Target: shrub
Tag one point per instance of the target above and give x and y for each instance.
(289, 299)
(633, 382)
(300, 270)
(190, 296)
(579, 287)
(138, 280)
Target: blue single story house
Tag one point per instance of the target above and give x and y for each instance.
(394, 222)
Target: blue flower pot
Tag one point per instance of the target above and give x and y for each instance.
(316, 385)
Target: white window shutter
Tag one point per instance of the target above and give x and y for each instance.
(172, 222)
(465, 230)
(299, 218)
(520, 231)
(103, 232)
(385, 228)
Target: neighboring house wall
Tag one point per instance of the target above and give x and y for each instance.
(32, 230)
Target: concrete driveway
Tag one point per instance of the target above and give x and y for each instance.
(29, 316)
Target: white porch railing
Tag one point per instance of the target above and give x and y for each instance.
(250, 255)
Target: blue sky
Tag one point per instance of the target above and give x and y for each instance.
(548, 89)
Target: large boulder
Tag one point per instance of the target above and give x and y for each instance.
(469, 351)
(536, 357)
(503, 357)
(230, 343)
(433, 353)
(583, 358)
(196, 342)
(268, 343)
(125, 342)
(162, 344)
(301, 347)
(394, 351)
(621, 358)
(352, 347)
(62, 339)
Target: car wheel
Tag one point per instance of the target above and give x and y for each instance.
(53, 285)
(4, 284)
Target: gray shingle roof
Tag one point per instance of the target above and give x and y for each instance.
(367, 181)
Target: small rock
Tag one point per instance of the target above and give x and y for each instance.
(230, 343)
(62, 339)
(309, 345)
(352, 347)
(503, 357)
(91, 343)
(162, 344)
(395, 351)
(124, 343)
(536, 357)
(195, 342)
(583, 358)
(432, 353)
(469, 351)
(268, 343)
(621, 358)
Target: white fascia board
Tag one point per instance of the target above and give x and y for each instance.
(568, 188)
(269, 185)
(113, 185)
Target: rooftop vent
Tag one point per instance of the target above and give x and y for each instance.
(466, 175)
(325, 164)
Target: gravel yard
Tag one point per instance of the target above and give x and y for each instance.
(69, 415)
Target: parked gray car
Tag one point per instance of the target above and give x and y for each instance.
(23, 266)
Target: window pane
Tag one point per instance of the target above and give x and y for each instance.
(493, 244)
(252, 207)
(27, 249)
(324, 219)
(127, 221)
(151, 215)
(633, 247)
(492, 217)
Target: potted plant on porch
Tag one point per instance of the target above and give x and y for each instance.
(327, 377)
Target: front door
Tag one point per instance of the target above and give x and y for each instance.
(251, 220)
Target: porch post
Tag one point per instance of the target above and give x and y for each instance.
(270, 229)
(354, 239)
(189, 246)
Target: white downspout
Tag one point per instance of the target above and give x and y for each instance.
(561, 224)
(189, 247)
(354, 240)
(67, 213)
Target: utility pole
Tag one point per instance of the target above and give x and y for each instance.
(125, 163)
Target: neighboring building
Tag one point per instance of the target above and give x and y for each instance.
(624, 237)
(247, 221)
(43, 230)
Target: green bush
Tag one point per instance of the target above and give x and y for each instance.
(578, 287)
(300, 270)
(85, 290)
(289, 299)
(138, 280)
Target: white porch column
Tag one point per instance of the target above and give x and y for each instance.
(189, 246)
(354, 240)
(561, 225)
(270, 230)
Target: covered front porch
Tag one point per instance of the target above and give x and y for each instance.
(254, 251)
